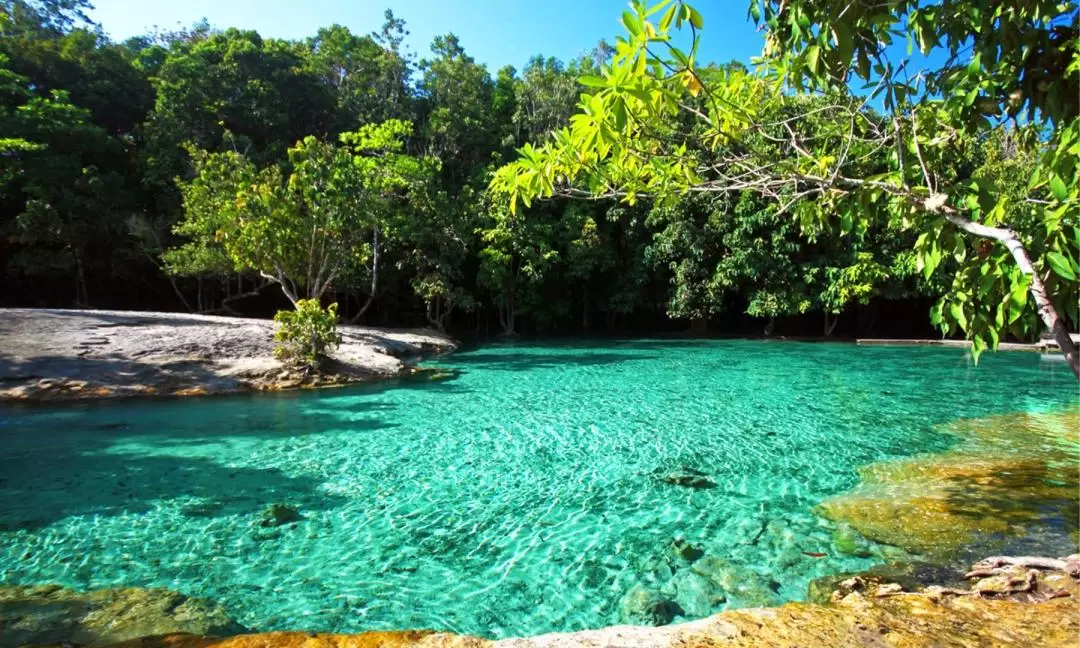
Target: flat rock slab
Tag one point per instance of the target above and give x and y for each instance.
(80, 354)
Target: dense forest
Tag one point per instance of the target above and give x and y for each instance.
(220, 171)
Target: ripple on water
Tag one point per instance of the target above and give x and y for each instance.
(520, 494)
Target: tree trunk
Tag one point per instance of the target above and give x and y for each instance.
(374, 276)
(830, 327)
(82, 298)
(435, 315)
(585, 308)
(1047, 313)
(770, 327)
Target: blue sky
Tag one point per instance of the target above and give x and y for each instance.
(495, 32)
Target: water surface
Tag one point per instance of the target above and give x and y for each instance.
(521, 495)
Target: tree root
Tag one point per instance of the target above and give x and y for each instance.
(1028, 583)
(995, 564)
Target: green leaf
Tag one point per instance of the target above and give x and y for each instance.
(1061, 265)
(755, 11)
(812, 54)
(1058, 188)
(956, 311)
(695, 18)
(592, 81)
(669, 15)
(657, 7)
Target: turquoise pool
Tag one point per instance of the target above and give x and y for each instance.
(522, 494)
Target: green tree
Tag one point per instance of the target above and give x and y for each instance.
(457, 104)
(516, 252)
(307, 231)
(366, 79)
(631, 138)
(62, 182)
(546, 96)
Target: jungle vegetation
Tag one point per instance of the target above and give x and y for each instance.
(633, 188)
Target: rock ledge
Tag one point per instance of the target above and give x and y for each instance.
(50, 355)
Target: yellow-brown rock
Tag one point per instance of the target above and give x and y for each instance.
(50, 613)
(407, 639)
(906, 620)
(1007, 475)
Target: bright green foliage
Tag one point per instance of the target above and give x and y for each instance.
(1021, 61)
(458, 126)
(654, 123)
(95, 136)
(720, 246)
(305, 335)
(516, 253)
(305, 230)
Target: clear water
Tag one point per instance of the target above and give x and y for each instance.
(521, 496)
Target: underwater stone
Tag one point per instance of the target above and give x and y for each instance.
(1008, 475)
(850, 542)
(648, 607)
(50, 614)
(694, 593)
(685, 550)
(741, 585)
(688, 478)
(280, 514)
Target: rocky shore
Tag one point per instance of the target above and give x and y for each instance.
(1009, 602)
(51, 355)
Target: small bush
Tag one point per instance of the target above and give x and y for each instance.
(306, 334)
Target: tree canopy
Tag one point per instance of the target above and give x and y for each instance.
(657, 124)
(221, 170)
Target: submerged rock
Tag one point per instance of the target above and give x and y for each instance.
(685, 550)
(739, 585)
(694, 593)
(868, 617)
(1010, 481)
(277, 515)
(688, 478)
(51, 614)
(850, 542)
(648, 607)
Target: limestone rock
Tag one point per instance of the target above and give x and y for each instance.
(741, 585)
(53, 614)
(648, 607)
(911, 576)
(903, 621)
(937, 505)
